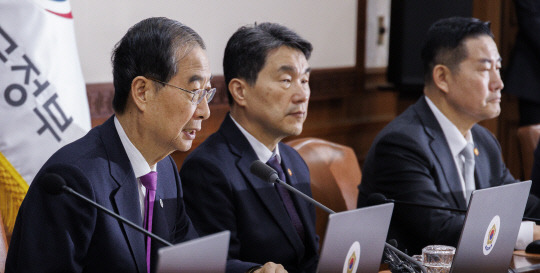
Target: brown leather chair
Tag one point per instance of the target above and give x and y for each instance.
(335, 175)
(528, 139)
(3, 245)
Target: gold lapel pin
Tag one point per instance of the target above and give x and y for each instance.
(290, 172)
(476, 151)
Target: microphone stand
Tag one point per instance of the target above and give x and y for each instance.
(397, 264)
(424, 205)
(391, 252)
(267, 173)
(117, 216)
(307, 198)
(444, 208)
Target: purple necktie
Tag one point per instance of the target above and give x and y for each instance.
(149, 181)
(286, 197)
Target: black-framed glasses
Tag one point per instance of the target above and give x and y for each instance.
(198, 95)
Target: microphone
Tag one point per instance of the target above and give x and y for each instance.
(268, 174)
(54, 184)
(378, 198)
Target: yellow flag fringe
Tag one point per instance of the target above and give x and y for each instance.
(13, 188)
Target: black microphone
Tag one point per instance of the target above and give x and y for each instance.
(54, 184)
(268, 174)
(378, 198)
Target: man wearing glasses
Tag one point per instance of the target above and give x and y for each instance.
(267, 74)
(123, 164)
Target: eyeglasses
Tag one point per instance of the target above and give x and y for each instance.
(198, 95)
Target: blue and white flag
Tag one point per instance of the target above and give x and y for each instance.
(43, 103)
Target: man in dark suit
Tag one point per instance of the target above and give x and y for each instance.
(420, 156)
(153, 118)
(523, 73)
(267, 73)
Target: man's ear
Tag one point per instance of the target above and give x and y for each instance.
(441, 76)
(238, 88)
(140, 87)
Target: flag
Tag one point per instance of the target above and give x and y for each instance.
(43, 103)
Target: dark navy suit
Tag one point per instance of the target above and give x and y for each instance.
(222, 194)
(410, 160)
(523, 72)
(62, 234)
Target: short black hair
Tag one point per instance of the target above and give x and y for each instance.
(444, 42)
(247, 49)
(150, 48)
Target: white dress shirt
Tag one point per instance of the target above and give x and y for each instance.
(136, 159)
(263, 153)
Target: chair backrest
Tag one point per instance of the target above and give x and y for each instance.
(335, 175)
(3, 245)
(528, 139)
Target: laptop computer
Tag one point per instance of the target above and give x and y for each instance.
(491, 228)
(355, 239)
(206, 254)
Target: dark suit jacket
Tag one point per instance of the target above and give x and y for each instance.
(410, 160)
(222, 194)
(535, 175)
(62, 234)
(523, 73)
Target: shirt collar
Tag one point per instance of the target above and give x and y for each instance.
(453, 136)
(263, 153)
(136, 159)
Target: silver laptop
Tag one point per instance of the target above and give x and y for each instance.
(206, 254)
(491, 228)
(354, 240)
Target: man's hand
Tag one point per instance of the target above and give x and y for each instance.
(271, 267)
(536, 232)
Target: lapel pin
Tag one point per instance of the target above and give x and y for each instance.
(161, 202)
(289, 170)
(476, 152)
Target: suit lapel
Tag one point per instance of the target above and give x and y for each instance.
(481, 160)
(160, 225)
(302, 205)
(266, 192)
(269, 197)
(125, 198)
(441, 151)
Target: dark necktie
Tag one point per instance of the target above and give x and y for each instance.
(149, 181)
(286, 197)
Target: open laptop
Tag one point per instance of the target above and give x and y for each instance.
(354, 240)
(206, 254)
(491, 228)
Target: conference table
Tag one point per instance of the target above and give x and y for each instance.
(525, 262)
(521, 263)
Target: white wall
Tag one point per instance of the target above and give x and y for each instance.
(377, 54)
(329, 25)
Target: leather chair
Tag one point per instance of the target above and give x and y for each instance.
(335, 175)
(3, 245)
(528, 139)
